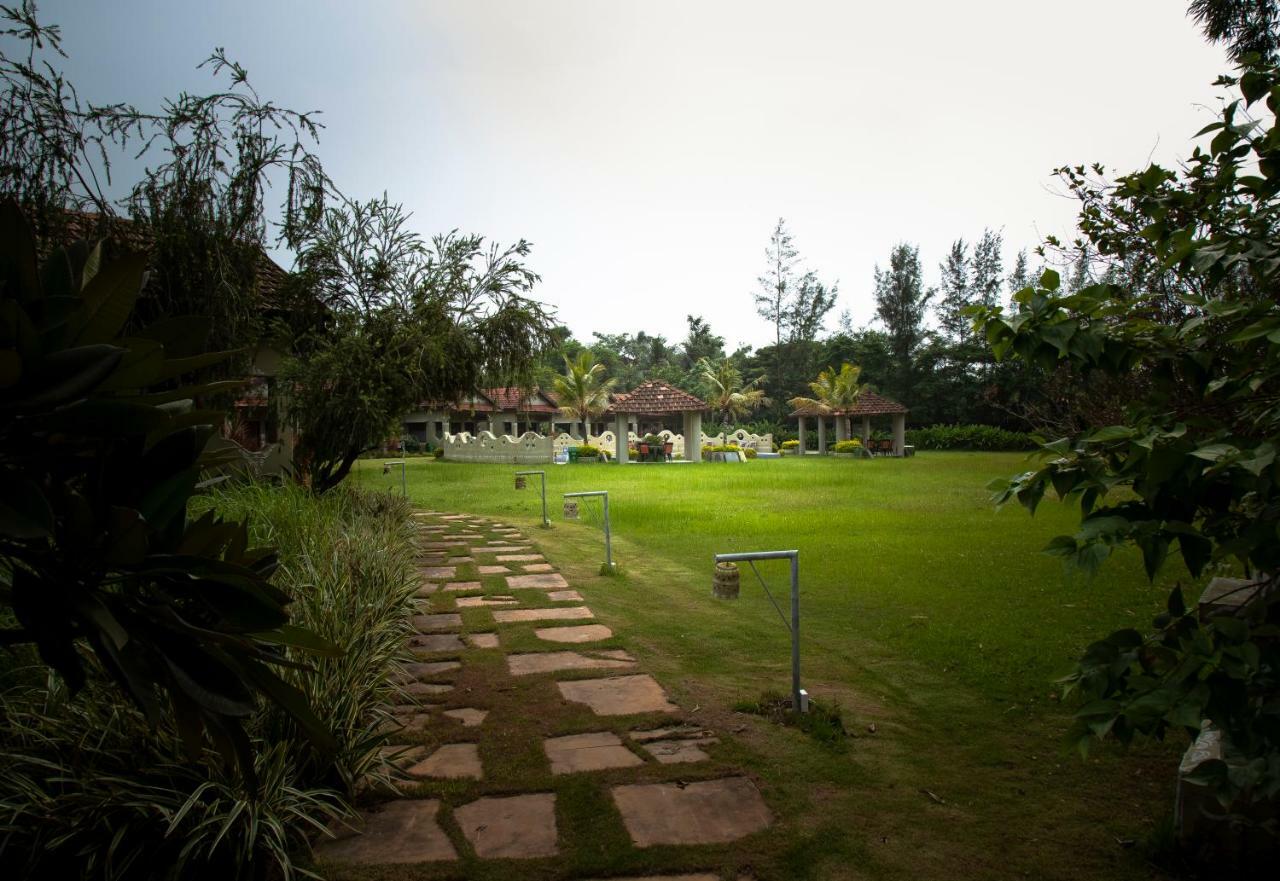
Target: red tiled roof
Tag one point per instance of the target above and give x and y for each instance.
(655, 398)
(869, 404)
(496, 400)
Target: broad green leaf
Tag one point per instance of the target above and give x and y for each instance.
(108, 299)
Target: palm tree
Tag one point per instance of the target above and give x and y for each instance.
(833, 392)
(726, 393)
(581, 392)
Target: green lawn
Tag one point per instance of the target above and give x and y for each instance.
(924, 612)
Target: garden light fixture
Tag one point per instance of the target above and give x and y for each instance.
(386, 469)
(521, 483)
(571, 504)
(725, 585)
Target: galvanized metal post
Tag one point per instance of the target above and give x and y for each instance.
(608, 542)
(404, 490)
(546, 521)
(799, 697)
(608, 537)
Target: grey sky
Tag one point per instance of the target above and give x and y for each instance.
(647, 149)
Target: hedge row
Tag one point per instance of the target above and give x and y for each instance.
(969, 437)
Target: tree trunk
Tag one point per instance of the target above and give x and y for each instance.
(321, 483)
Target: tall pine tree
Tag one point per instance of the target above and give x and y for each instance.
(901, 303)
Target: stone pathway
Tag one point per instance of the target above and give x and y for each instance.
(515, 693)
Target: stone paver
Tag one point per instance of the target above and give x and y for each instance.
(483, 640)
(422, 669)
(564, 596)
(507, 616)
(435, 642)
(427, 589)
(549, 662)
(588, 752)
(580, 633)
(451, 761)
(518, 826)
(500, 549)
(673, 752)
(440, 573)
(425, 689)
(538, 567)
(468, 716)
(459, 561)
(436, 623)
(479, 602)
(618, 695)
(404, 831)
(540, 581)
(461, 586)
(708, 812)
(492, 570)
(521, 558)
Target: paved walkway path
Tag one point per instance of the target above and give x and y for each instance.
(516, 697)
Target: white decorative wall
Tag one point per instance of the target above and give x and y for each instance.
(532, 448)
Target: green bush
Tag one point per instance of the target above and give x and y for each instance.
(586, 451)
(969, 437)
(70, 768)
(750, 452)
(411, 445)
(848, 446)
(791, 445)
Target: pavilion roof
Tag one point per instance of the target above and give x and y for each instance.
(869, 404)
(655, 398)
(508, 399)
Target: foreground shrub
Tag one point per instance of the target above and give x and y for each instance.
(969, 437)
(848, 446)
(587, 451)
(88, 789)
(791, 445)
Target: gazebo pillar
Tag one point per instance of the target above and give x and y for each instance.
(445, 424)
(822, 435)
(899, 433)
(620, 438)
(801, 436)
(693, 436)
(842, 428)
(866, 430)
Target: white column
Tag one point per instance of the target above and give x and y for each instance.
(800, 449)
(446, 424)
(842, 425)
(899, 433)
(822, 435)
(866, 430)
(620, 441)
(693, 429)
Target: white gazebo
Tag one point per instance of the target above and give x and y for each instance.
(869, 406)
(656, 399)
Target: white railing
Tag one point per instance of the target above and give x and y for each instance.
(531, 447)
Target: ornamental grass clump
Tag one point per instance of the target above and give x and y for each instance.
(88, 789)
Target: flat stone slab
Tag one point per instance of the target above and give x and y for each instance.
(521, 558)
(549, 662)
(507, 616)
(403, 831)
(580, 633)
(709, 812)
(480, 602)
(588, 752)
(540, 581)
(483, 640)
(427, 589)
(451, 761)
(461, 586)
(422, 689)
(435, 642)
(618, 695)
(500, 549)
(492, 570)
(422, 669)
(460, 561)
(538, 567)
(515, 827)
(564, 596)
(436, 623)
(673, 752)
(468, 716)
(439, 573)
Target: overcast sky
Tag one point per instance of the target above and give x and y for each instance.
(647, 149)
